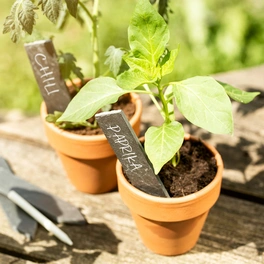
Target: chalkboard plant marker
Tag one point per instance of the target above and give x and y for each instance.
(44, 62)
(130, 152)
(168, 226)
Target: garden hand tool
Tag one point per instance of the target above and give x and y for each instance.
(50, 205)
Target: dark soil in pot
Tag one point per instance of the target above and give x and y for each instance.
(196, 169)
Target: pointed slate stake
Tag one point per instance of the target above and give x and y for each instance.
(43, 59)
(130, 152)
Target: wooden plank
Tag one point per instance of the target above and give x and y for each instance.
(233, 233)
(5, 259)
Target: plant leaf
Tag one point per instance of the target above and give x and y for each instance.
(72, 6)
(239, 95)
(22, 17)
(67, 64)
(114, 59)
(93, 96)
(27, 16)
(53, 118)
(162, 143)
(63, 18)
(131, 79)
(51, 9)
(167, 64)
(151, 72)
(148, 34)
(204, 102)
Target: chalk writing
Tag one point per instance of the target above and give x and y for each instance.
(47, 82)
(44, 62)
(130, 152)
(127, 151)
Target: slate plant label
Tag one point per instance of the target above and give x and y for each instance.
(130, 152)
(43, 59)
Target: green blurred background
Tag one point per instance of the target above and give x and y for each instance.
(214, 36)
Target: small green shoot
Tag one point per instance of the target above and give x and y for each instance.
(53, 118)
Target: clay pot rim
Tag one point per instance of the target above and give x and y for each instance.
(178, 200)
(73, 136)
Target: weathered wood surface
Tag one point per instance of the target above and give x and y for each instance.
(6, 259)
(234, 230)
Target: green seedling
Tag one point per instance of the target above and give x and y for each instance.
(201, 99)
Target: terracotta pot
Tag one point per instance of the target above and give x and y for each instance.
(171, 226)
(89, 161)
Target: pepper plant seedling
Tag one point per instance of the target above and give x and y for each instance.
(201, 99)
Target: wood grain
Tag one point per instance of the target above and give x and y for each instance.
(234, 229)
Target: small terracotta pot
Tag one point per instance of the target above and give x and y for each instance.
(171, 226)
(89, 161)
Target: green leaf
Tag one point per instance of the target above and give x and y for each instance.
(72, 6)
(27, 16)
(52, 118)
(93, 96)
(239, 95)
(63, 18)
(150, 72)
(22, 18)
(162, 143)
(131, 79)
(114, 59)
(148, 33)
(67, 64)
(167, 63)
(204, 102)
(51, 9)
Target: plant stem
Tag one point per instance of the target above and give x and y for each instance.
(86, 10)
(176, 159)
(154, 100)
(165, 109)
(95, 43)
(94, 37)
(74, 85)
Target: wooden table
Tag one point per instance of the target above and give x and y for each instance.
(234, 230)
